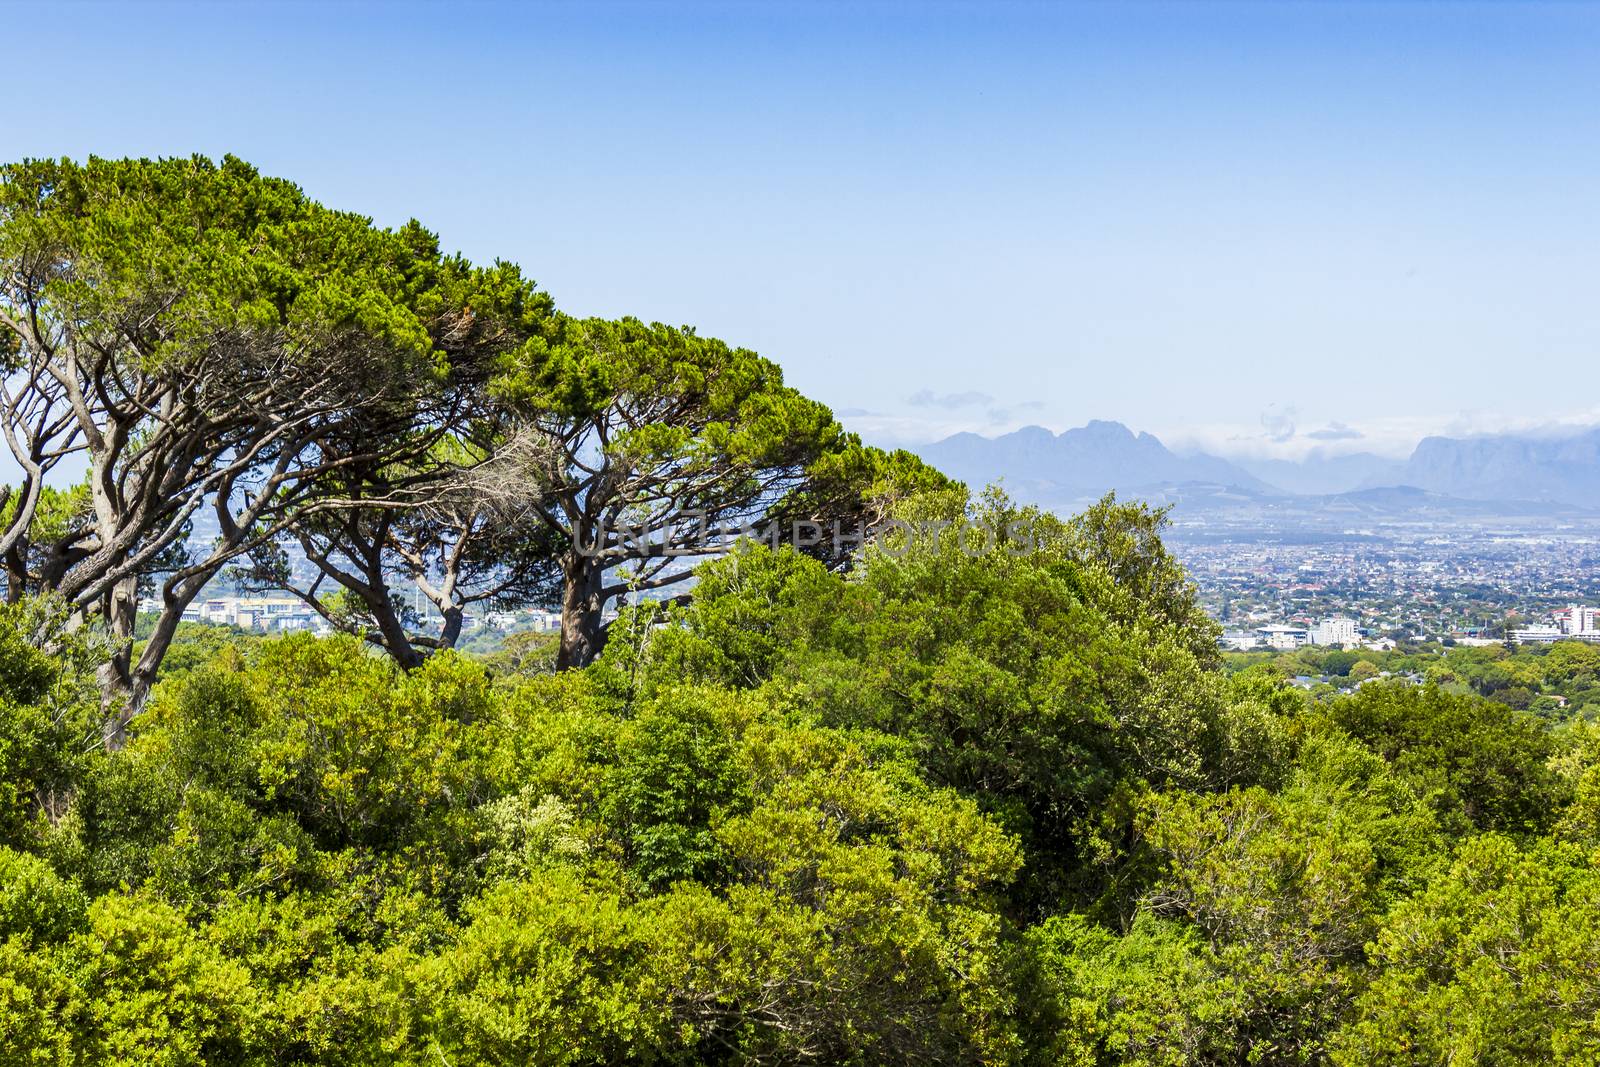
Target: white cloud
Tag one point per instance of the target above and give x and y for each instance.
(1336, 431)
(927, 398)
(1395, 436)
(1278, 425)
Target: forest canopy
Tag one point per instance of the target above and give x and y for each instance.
(941, 808)
(209, 343)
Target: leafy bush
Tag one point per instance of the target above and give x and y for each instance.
(1003, 808)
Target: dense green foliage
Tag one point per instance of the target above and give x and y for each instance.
(357, 416)
(1002, 806)
(1558, 681)
(208, 344)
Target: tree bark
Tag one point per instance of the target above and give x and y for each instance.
(119, 700)
(125, 685)
(582, 635)
(16, 573)
(391, 631)
(450, 633)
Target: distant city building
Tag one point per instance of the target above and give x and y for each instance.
(545, 621)
(267, 614)
(1336, 631)
(1575, 623)
(1283, 638)
(270, 613)
(281, 614)
(1576, 620)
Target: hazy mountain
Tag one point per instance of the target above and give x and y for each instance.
(1409, 500)
(1048, 468)
(1393, 502)
(1082, 464)
(1319, 474)
(1565, 469)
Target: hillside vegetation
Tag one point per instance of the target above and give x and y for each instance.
(1003, 808)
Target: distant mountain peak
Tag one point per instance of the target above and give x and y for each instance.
(1085, 461)
(1104, 455)
(1029, 432)
(1561, 468)
(1104, 427)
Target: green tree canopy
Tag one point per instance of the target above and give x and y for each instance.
(649, 445)
(207, 338)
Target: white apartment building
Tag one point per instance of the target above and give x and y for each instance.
(1575, 623)
(1336, 631)
(1283, 638)
(545, 621)
(1577, 620)
(268, 613)
(1239, 640)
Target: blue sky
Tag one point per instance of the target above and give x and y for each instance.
(1263, 228)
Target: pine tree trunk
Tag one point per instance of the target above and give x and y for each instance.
(582, 635)
(119, 700)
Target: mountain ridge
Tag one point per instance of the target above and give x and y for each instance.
(1105, 455)
(1564, 469)
(1099, 457)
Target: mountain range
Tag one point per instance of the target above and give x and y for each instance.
(1067, 468)
(1564, 469)
(1089, 460)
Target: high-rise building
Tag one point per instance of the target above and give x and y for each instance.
(1335, 631)
(1577, 620)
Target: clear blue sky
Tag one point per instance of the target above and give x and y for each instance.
(1216, 222)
